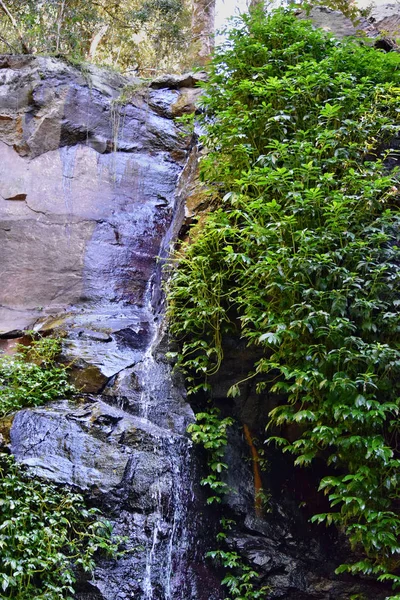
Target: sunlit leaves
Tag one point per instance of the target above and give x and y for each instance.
(45, 534)
(306, 246)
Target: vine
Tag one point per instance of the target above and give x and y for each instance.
(301, 259)
(210, 431)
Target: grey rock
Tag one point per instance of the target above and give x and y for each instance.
(381, 21)
(137, 472)
(162, 100)
(94, 335)
(187, 102)
(333, 21)
(89, 445)
(386, 18)
(89, 176)
(187, 80)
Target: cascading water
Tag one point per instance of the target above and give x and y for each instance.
(168, 543)
(151, 551)
(104, 182)
(182, 498)
(147, 369)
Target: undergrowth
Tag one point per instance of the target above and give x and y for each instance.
(301, 258)
(31, 376)
(47, 534)
(211, 432)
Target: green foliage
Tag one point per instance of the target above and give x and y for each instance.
(143, 35)
(240, 579)
(210, 431)
(45, 535)
(301, 258)
(31, 377)
(50, 26)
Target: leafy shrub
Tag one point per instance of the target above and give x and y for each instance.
(211, 432)
(32, 377)
(45, 535)
(301, 258)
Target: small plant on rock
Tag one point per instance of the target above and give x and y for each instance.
(32, 377)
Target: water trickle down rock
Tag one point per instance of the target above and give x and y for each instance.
(96, 186)
(78, 242)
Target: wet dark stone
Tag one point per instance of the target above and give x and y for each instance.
(133, 339)
(385, 44)
(95, 335)
(187, 80)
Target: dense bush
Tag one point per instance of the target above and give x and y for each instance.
(301, 258)
(31, 376)
(46, 533)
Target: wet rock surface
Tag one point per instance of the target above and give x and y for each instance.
(86, 190)
(87, 204)
(137, 472)
(294, 558)
(92, 191)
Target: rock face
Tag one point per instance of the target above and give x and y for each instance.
(87, 203)
(138, 472)
(92, 191)
(380, 23)
(295, 559)
(86, 192)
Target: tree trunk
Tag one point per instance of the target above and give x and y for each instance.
(60, 17)
(14, 23)
(96, 39)
(203, 28)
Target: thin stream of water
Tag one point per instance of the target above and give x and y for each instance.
(168, 544)
(68, 161)
(151, 552)
(148, 365)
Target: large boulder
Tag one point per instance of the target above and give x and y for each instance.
(86, 189)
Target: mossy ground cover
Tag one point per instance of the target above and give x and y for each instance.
(301, 258)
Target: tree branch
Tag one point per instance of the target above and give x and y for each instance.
(60, 17)
(96, 41)
(14, 23)
(12, 48)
